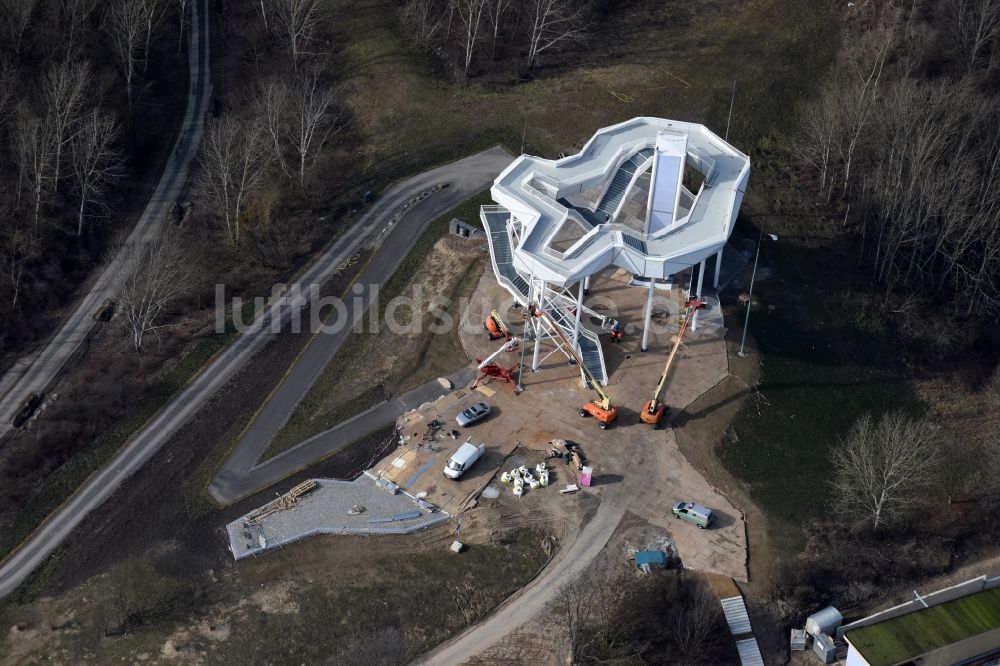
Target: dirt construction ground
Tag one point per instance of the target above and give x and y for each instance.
(629, 458)
(638, 471)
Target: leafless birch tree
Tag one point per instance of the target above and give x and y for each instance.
(273, 110)
(424, 19)
(73, 14)
(19, 244)
(470, 14)
(976, 25)
(34, 153)
(314, 116)
(263, 12)
(552, 22)
(16, 15)
(181, 21)
(821, 129)
(235, 157)
(125, 23)
(882, 468)
(860, 93)
(497, 11)
(296, 22)
(152, 13)
(8, 90)
(65, 88)
(97, 162)
(148, 278)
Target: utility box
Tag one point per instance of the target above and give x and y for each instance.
(586, 476)
(798, 641)
(824, 648)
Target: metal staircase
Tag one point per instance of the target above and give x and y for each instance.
(619, 185)
(559, 306)
(495, 220)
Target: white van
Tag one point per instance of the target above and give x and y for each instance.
(463, 459)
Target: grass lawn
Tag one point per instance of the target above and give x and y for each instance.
(674, 59)
(332, 599)
(822, 365)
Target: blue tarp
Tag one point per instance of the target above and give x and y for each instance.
(654, 558)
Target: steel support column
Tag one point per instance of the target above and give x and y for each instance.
(649, 315)
(701, 282)
(718, 268)
(536, 357)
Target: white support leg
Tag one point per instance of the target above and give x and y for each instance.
(701, 282)
(536, 357)
(649, 315)
(586, 285)
(718, 268)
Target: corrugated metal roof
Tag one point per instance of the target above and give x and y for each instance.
(749, 652)
(736, 615)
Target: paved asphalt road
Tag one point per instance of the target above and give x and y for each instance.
(236, 484)
(39, 373)
(103, 484)
(234, 479)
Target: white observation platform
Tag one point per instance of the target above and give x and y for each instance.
(649, 195)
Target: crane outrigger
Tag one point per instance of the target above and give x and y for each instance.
(653, 411)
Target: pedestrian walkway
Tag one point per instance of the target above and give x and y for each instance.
(333, 507)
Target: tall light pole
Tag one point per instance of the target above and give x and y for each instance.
(746, 322)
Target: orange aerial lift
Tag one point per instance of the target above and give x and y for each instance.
(600, 407)
(653, 411)
(495, 328)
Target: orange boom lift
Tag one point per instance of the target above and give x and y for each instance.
(495, 328)
(653, 411)
(600, 407)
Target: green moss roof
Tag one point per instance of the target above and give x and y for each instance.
(907, 637)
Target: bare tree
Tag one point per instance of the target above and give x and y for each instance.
(148, 277)
(859, 94)
(65, 88)
(497, 10)
(296, 21)
(694, 620)
(181, 21)
(235, 157)
(72, 15)
(97, 162)
(552, 22)
(424, 19)
(8, 90)
(976, 24)
(272, 107)
(34, 153)
(821, 129)
(470, 14)
(263, 12)
(125, 23)
(592, 613)
(19, 244)
(882, 467)
(152, 13)
(16, 15)
(313, 117)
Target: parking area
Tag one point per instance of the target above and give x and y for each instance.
(417, 465)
